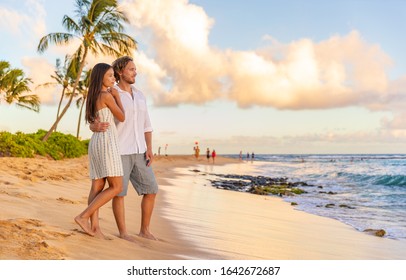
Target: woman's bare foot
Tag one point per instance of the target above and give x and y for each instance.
(83, 223)
(147, 235)
(100, 235)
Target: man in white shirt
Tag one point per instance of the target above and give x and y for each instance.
(135, 141)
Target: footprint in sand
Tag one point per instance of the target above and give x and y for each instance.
(28, 239)
(21, 195)
(15, 194)
(57, 177)
(5, 183)
(65, 200)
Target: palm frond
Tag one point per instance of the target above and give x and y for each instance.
(46, 85)
(104, 26)
(99, 7)
(81, 8)
(3, 66)
(123, 43)
(31, 102)
(70, 24)
(105, 50)
(13, 84)
(80, 100)
(56, 38)
(119, 15)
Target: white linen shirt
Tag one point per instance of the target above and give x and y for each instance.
(131, 132)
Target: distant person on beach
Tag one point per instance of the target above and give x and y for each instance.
(103, 102)
(135, 140)
(240, 155)
(213, 155)
(208, 154)
(248, 156)
(252, 155)
(197, 151)
(159, 151)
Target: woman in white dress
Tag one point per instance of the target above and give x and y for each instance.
(103, 103)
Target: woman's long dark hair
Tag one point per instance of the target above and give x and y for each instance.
(95, 86)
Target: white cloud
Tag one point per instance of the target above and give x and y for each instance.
(396, 123)
(337, 72)
(178, 34)
(11, 21)
(151, 74)
(40, 71)
(36, 11)
(27, 22)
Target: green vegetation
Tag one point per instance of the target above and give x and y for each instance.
(58, 146)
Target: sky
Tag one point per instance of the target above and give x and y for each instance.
(263, 76)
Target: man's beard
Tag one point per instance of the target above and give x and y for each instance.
(128, 80)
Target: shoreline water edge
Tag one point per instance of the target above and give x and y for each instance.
(193, 219)
(365, 191)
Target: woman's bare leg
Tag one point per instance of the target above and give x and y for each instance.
(115, 186)
(97, 187)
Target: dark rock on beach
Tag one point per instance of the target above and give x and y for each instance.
(330, 192)
(258, 184)
(346, 206)
(376, 232)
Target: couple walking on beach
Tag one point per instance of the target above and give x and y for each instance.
(120, 149)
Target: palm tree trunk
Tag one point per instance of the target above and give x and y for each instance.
(59, 117)
(60, 103)
(80, 116)
(82, 65)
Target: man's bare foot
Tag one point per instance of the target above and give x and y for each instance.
(129, 238)
(147, 235)
(83, 223)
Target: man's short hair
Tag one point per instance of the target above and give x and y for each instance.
(119, 64)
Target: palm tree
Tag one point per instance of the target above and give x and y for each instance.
(81, 101)
(64, 76)
(99, 28)
(14, 85)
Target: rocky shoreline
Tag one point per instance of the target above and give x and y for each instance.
(263, 185)
(260, 185)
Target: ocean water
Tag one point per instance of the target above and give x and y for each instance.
(372, 186)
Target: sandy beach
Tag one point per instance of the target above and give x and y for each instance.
(192, 220)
